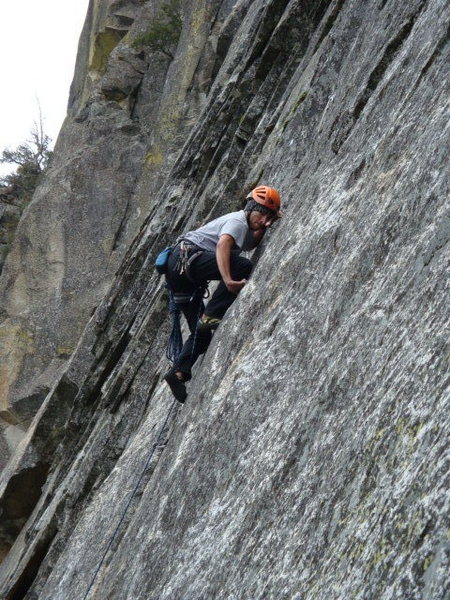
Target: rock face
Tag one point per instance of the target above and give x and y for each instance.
(10, 213)
(129, 111)
(310, 460)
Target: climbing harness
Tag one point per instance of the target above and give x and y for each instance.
(183, 264)
(155, 445)
(185, 261)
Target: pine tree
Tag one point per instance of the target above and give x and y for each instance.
(31, 159)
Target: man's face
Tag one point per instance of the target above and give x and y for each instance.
(260, 222)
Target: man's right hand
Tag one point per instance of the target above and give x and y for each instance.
(223, 255)
(235, 286)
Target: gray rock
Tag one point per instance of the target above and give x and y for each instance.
(310, 459)
(129, 113)
(10, 213)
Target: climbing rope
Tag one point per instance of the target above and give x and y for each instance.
(201, 293)
(155, 445)
(175, 342)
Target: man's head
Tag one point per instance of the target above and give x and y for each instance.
(263, 207)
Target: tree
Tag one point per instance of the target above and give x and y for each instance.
(32, 159)
(165, 32)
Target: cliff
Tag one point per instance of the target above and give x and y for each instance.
(10, 213)
(310, 459)
(129, 113)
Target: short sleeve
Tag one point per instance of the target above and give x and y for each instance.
(237, 229)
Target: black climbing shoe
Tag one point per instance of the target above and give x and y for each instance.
(176, 385)
(207, 323)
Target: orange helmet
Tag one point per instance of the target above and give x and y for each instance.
(268, 197)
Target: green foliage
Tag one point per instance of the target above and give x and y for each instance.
(164, 33)
(32, 158)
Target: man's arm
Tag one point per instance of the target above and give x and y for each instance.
(223, 253)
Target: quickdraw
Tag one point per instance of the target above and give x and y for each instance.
(184, 261)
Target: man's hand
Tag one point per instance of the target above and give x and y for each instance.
(223, 253)
(235, 286)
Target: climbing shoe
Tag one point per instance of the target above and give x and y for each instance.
(176, 385)
(207, 323)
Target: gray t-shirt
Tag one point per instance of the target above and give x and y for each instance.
(235, 224)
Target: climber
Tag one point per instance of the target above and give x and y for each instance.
(212, 252)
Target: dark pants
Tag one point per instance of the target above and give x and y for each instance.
(203, 269)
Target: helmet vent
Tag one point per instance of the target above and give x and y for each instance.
(267, 196)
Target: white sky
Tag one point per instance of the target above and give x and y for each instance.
(38, 47)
